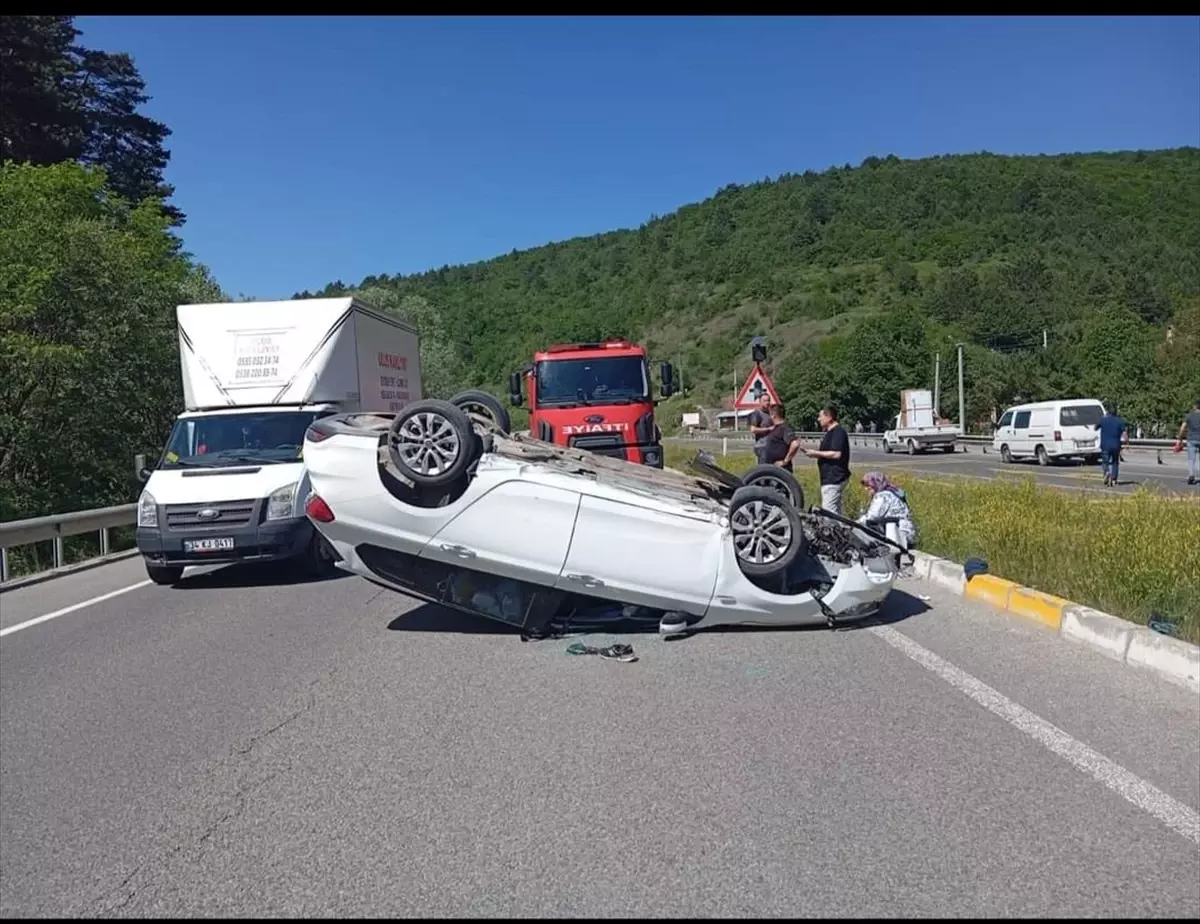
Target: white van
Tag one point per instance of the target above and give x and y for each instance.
(231, 484)
(1050, 430)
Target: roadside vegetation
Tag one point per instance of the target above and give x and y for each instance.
(1131, 556)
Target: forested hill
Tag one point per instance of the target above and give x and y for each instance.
(858, 275)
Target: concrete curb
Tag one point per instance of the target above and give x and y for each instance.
(1133, 645)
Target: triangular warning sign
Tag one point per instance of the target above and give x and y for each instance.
(756, 385)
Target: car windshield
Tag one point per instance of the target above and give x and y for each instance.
(608, 380)
(227, 439)
(1080, 415)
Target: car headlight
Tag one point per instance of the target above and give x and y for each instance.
(147, 511)
(280, 502)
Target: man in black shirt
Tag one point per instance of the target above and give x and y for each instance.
(833, 460)
(780, 444)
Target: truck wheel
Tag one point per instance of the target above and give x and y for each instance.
(949, 447)
(887, 448)
(766, 531)
(912, 447)
(432, 443)
(484, 409)
(778, 479)
(164, 575)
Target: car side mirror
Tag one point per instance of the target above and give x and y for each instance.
(667, 374)
(514, 389)
(139, 467)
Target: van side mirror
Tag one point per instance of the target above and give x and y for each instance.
(667, 374)
(139, 467)
(514, 389)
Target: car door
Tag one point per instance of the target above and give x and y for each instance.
(518, 529)
(1004, 431)
(643, 555)
(1020, 445)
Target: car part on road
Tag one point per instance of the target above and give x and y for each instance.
(432, 443)
(616, 652)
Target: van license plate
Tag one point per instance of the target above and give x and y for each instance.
(1084, 444)
(207, 545)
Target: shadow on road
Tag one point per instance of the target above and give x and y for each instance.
(255, 575)
(430, 617)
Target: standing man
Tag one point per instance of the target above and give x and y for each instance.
(1113, 432)
(781, 444)
(1190, 430)
(760, 426)
(833, 459)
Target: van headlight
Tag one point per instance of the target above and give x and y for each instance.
(147, 511)
(280, 502)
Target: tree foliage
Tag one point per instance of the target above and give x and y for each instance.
(987, 250)
(61, 101)
(88, 287)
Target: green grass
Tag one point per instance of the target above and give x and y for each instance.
(1131, 556)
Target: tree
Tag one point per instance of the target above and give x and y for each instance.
(88, 286)
(60, 101)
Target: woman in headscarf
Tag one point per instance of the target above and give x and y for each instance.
(888, 502)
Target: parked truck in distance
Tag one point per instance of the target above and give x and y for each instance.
(595, 396)
(918, 427)
(231, 484)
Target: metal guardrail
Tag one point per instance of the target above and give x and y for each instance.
(58, 527)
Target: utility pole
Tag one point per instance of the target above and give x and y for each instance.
(735, 407)
(1044, 338)
(962, 412)
(937, 384)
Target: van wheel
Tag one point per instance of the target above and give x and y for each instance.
(1042, 457)
(949, 447)
(1005, 455)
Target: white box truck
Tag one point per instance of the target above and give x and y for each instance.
(231, 484)
(918, 427)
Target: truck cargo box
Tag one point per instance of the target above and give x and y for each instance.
(301, 351)
(916, 408)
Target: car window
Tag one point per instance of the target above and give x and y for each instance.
(1006, 419)
(1022, 421)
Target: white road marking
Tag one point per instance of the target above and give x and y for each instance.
(1175, 815)
(71, 609)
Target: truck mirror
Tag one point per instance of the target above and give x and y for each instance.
(139, 467)
(667, 374)
(514, 389)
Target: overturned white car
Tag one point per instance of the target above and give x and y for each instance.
(441, 502)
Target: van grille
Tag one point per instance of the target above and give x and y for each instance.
(229, 513)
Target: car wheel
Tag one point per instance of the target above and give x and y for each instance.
(164, 575)
(1005, 455)
(432, 443)
(766, 531)
(484, 410)
(949, 447)
(1042, 458)
(778, 479)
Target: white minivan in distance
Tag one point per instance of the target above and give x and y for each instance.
(1050, 431)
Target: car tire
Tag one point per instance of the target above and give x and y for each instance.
(949, 447)
(319, 558)
(432, 443)
(757, 512)
(164, 575)
(780, 479)
(484, 409)
(1006, 454)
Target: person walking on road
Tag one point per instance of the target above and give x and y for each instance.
(1189, 431)
(833, 459)
(1114, 431)
(761, 426)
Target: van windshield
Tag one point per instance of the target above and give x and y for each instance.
(1080, 415)
(230, 439)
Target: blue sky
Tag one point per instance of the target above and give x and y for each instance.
(308, 149)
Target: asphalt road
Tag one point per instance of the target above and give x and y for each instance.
(1139, 467)
(241, 745)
